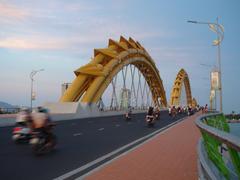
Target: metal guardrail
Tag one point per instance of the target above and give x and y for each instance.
(213, 140)
(227, 138)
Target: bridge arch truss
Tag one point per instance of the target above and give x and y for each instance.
(181, 82)
(107, 64)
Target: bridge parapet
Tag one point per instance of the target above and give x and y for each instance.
(77, 110)
(218, 150)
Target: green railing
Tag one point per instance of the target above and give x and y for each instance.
(216, 140)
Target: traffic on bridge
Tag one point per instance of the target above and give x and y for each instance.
(153, 100)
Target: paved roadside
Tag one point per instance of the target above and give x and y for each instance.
(170, 155)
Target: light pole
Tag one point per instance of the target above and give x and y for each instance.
(212, 91)
(32, 74)
(217, 28)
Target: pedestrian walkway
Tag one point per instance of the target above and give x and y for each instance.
(171, 155)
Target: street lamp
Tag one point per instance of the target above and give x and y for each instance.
(212, 91)
(219, 29)
(32, 74)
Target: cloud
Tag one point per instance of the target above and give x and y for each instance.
(66, 26)
(81, 6)
(46, 42)
(10, 12)
(21, 43)
(73, 41)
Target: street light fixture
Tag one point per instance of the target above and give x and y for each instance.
(212, 96)
(219, 30)
(32, 74)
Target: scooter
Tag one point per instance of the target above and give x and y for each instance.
(43, 143)
(128, 116)
(157, 115)
(150, 120)
(21, 134)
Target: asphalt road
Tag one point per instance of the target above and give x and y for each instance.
(79, 142)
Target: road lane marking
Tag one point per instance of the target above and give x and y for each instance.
(101, 129)
(77, 134)
(145, 139)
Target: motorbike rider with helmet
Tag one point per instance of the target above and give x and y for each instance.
(156, 112)
(22, 132)
(23, 117)
(41, 123)
(150, 119)
(128, 114)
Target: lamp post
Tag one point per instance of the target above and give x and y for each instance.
(212, 91)
(219, 30)
(32, 74)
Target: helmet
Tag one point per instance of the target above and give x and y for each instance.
(42, 109)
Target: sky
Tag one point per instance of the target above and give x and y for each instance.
(60, 35)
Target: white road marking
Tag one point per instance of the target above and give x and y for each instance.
(77, 134)
(76, 171)
(101, 129)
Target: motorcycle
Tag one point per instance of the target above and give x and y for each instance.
(128, 116)
(21, 134)
(190, 112)
(157, 115)
(43, 142)
(150, 120)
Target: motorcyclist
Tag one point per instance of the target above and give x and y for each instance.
(22, 131)
(206, 108)
(150, 111)
(128, 113)
(41, 123)
(150, 115)
(174, 111)
(156, 112)
(23, 117)
(189, 111)
(169, 111)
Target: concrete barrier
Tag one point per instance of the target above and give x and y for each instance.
(75, 110)
(71, 111)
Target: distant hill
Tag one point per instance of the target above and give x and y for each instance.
(6, 108)
(6, 105)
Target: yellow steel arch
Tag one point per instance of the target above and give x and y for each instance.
(93, 78)
(194, 102)
(182, 78)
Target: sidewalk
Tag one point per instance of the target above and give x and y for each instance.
(168, 156)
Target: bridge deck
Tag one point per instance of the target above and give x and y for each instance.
(170, 155)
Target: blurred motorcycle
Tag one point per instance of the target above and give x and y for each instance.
(128, 116)
(150, 120)
(21, 134)
(43, 142)
(157, 115)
